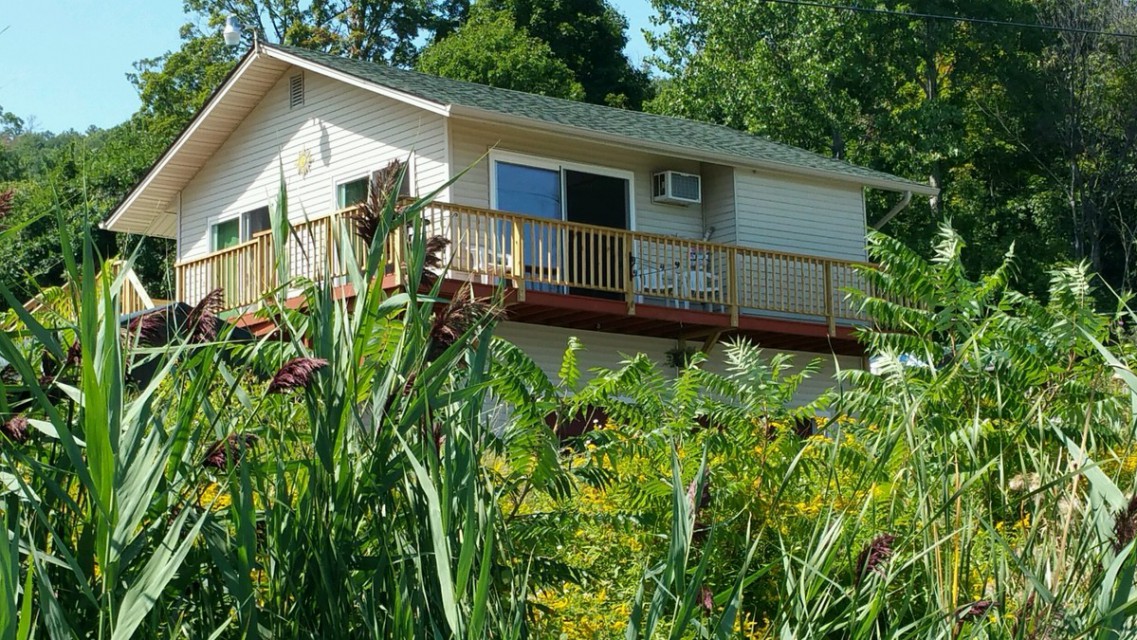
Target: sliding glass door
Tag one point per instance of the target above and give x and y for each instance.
(576, 193)
(534, 191)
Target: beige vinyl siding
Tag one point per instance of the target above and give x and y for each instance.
(471, 140)
(348, 131)
(784, 213)
(546, 345)
(718, 202)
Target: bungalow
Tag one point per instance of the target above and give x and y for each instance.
(634, 232)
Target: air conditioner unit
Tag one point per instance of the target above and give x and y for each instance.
(673, 187)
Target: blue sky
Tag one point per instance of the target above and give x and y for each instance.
(63, 63)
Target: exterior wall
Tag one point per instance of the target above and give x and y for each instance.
(471, 140)
(748, 207)
(546, 345)
(349, 132)
(718, 202)
(786, 213)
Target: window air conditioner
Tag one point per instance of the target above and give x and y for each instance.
(673, 187)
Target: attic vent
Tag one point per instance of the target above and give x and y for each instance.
(296, 91)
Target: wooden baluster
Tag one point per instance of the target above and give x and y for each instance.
(257, 270)
(626, 249)
(397, 253)
(518, 228)
(732, 285)
(832, 322)
(330, 247)
(270, 257)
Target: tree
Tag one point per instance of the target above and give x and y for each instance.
(1094, 90)
(491, 50)
(589, 37)
(175, 85)
(80, 176)
(959, 105)
(10, 127)
(378, 30)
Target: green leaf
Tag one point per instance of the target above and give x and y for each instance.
(160, 568)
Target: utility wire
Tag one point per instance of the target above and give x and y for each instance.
(936, 16)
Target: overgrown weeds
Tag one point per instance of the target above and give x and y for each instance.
(386, 470)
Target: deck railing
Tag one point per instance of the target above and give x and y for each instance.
(532, 253)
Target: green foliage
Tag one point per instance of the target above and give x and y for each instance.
(402, 481)
(387, 30)
(990, 461)
(84, 176)
(489, 49)
(175, 85)
(351, 489)
(588, 36)
(1023, 129)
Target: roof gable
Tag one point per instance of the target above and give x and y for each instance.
(148, 208)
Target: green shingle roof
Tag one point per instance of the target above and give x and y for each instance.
(697, 136)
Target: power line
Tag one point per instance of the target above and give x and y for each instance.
(936, 16)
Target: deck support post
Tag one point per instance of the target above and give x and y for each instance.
(179, 284)
(711, 341)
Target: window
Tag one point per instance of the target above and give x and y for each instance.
(547, 188)
(353, 192)
(256, 222)
(590, 195)
(226, 234)
(532, 190)
(245, 227)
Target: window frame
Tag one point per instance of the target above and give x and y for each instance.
(242, 219)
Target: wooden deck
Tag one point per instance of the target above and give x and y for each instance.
(578, 276)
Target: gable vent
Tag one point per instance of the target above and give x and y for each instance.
(296, 91)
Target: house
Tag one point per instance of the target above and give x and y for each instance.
(634, 232)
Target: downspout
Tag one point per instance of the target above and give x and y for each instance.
(900, 206)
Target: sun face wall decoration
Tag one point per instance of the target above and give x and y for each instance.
(303, 162)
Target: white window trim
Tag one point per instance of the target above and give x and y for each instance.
(553, 164)
(410, 178)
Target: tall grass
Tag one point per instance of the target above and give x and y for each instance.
(380, 466)
(343, 498)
